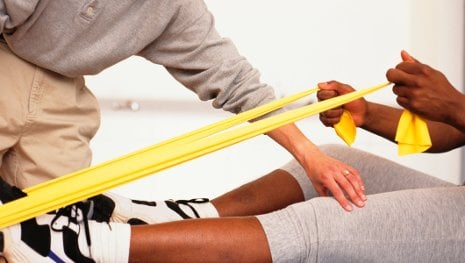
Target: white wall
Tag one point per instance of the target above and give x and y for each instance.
(295, 45)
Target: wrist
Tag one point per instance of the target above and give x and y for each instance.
(305, 150)
(295, 142)
(456, 118)
(367, 117)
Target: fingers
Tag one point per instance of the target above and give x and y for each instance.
(338, 194)
(330, 90)
(340, 88)
(400, 78)
(346, 186)
(331, 117)
(407, 76)
(329, 85)
(351, 184)
(406, 71)
(353, 177)
(409, 66)
(403, 102)
(326, 94)
(402, 91)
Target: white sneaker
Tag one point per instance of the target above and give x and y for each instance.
(65, 235)
(60, 237)
(136, 212)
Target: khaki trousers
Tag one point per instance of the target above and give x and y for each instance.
(46, 122)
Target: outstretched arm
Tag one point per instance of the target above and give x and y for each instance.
(211, 66)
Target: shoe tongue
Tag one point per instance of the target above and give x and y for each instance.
(102, 208)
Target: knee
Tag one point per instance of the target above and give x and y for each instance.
(291, 232)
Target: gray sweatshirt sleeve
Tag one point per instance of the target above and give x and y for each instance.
(197, 56)
(14, 13)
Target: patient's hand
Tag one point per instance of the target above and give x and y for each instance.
(357, 108)
(427, 92)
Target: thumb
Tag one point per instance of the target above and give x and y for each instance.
(406, 57)
(339, 87)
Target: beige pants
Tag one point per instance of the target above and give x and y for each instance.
(46, 122)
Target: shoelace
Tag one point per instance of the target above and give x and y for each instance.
(75, 213)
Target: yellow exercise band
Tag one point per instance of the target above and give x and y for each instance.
(95, 180)
(200, 133)
(346, 128)
(412, 135)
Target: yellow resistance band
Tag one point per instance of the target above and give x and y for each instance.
(202, 132)
(98, 179)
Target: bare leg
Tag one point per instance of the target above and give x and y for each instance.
(204, 240)
(273, 191)
(231, 239)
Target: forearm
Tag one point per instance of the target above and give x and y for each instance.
(444, 137)
(382, 120)
(294, 141)
(454, 113)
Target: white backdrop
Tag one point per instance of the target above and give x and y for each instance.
(295, 44)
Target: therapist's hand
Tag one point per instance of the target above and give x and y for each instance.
(328, 176)
(332, 177)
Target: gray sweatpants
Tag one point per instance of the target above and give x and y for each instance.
(409, 217)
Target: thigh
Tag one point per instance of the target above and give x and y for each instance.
(380, 174)
(418, 225)
(59, 118)
(16, 78)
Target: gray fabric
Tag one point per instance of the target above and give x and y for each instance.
(77, 38)
(409, 217)
(298, 172)
(378, 174)
(14, 13)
